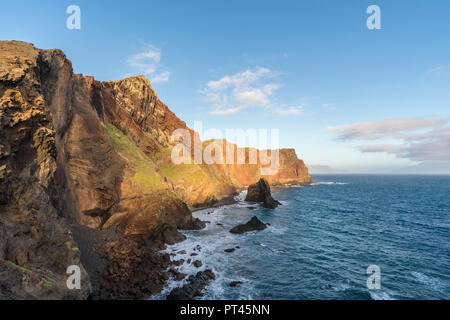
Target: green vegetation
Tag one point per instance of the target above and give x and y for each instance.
(145, 172)
(47, 284)
(69, 246)
(20, 268)
(48, 281)
(188, 171)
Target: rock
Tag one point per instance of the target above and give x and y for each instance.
(194, 287)
(235, 284)
(253, 225)
(230, 250)
(193, 254)
(178, 262)
(178, 276)
(197, 263)
(260, 192)
(182, 252)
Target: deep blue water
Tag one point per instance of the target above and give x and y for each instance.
(324, 236)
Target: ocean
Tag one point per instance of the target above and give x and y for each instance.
(323, 238)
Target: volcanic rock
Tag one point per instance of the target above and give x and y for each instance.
(253, 225)
(260, 192)
(235, 284)
(197, 263)
(194, 288)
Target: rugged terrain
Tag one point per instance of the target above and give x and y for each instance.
(86, 179)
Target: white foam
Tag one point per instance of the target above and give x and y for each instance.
(328, 183)
(380, 295)
(428, 281)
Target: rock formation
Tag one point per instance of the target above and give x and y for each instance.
(194, 286)
(253, 225)
(260, 192)
(86, 179)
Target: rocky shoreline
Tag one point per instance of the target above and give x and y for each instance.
(195, 284)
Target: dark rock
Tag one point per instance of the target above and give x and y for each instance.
(178, 276)
(197, 263)
(182, 252)
(235, 284)
(260, 192)
(198, 224)
(253, 225)
(229, 250)
(194, 287)
(193, 254)
(178, 262)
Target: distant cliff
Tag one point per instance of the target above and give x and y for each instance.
(79, 152)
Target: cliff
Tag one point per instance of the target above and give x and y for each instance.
(78, 155)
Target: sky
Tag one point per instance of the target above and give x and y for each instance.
(342, 95)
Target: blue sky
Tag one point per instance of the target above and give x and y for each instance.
(342, 95)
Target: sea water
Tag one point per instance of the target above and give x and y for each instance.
(323, 238)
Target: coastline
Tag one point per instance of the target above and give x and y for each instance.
(179, 258)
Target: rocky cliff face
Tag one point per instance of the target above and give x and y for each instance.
(79, 152)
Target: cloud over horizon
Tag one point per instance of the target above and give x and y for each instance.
(420, 139)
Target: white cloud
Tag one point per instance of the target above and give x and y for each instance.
(392, 127)
(221, 112)
(250, 97)
(421, 139)
(291, 111)
(162, 77)
(233, 93)
(148, 63)
(329, 106)
(439, 70)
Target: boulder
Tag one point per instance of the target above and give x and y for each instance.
(194, 288)
(235, 284)
(253, 225)
(260, 192)
(197, 263)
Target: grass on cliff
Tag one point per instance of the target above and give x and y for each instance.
(145, 172)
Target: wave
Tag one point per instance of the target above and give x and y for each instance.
(430, 282)
(380, 295)
(328, 183)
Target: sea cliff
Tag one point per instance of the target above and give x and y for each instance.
(86, 179)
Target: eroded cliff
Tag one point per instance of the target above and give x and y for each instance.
(79, 153)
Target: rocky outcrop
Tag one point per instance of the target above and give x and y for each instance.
(260, 192)
(84, 153)
(194, 287)
(253, 225)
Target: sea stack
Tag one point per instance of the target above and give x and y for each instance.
(260, 192)
(253, 225)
